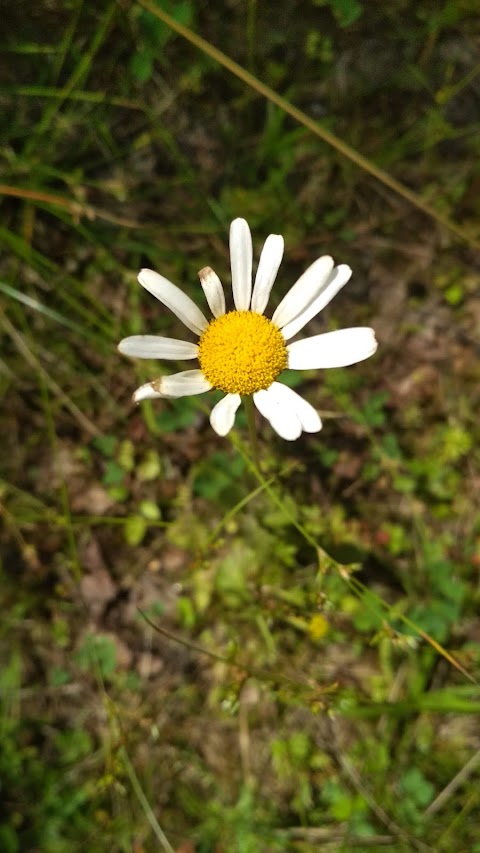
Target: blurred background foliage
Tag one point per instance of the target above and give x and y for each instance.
(291, 704)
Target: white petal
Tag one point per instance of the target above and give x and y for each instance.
(332, 349)
(153, 346)
(213, 290)
(223, 414)
(175, 299)
(303, 291)
(306, 414)
(270, 260)
(336, 280)
(279, 414)
(182, 384)
(241, 252)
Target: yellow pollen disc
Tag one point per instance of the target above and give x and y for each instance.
(242, 352)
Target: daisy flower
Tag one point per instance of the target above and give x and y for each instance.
(243, 352)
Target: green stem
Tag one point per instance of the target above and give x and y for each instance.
(135, 783)
(252, 430)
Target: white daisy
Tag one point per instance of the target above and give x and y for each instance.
(242, 352)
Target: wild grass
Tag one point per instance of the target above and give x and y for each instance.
(201, 655)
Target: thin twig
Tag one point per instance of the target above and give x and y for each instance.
(75, 208)
(255, 672)
(312, 834)
(455, 783)
(138, 790)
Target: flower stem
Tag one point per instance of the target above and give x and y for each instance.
(252, 430)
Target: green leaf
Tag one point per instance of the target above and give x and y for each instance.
(186, 612)
(113, 474)
(97, 651)
(106, 444)
(58, 676)
(346, 11)
(149, 510)
(118, 494)
(141, 65)
(150, 468)
(155, 32)
(416, 787)
(135, 530)
(126, 455)
(231, 576)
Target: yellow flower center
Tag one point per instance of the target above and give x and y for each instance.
(242, 352)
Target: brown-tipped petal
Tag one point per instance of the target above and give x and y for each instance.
(183, 384)
(213, 290)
